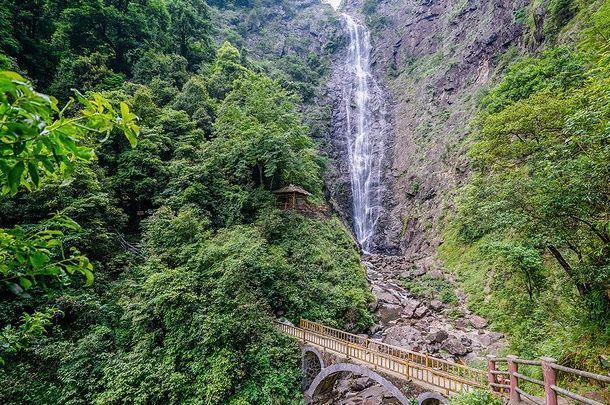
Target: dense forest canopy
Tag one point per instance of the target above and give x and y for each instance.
(183, 259)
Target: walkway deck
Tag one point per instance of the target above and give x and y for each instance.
(431, 373)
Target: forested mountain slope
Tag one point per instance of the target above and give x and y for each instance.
(190, 260)
(500, 160)
(143, 257)
(532, 220)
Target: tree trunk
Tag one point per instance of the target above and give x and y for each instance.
(583, 288)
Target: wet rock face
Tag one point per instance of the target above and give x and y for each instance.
(346, 125)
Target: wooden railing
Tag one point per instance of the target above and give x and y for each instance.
(445, 376)
(510, 381)
(467, 373)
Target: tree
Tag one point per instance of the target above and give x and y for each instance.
(41, 143)
(260, 139)
(542, 170)
(190, 29)
(227, 68)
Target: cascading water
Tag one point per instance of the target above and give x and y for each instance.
(362, 100)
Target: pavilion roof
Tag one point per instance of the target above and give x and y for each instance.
(292, 189)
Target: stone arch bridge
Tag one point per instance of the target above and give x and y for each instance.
(319, 378)
(328, 353)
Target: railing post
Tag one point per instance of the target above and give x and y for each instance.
(550, 378)
(491, 367)
(515, 398)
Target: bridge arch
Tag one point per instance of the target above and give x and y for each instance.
(431, 398)
(312, 364)
(325, 380)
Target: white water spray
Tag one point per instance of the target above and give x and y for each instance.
(365, 171)
(363, 102)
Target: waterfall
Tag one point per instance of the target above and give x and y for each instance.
(363, 102)
(364, 128)
(364, 175)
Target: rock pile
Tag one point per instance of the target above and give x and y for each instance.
(357, 390)
(424, 324)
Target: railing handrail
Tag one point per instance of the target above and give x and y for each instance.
(423, 358)
(353, 347)
(581, 373)
(569, 370)
(351, 344)
(549, 369)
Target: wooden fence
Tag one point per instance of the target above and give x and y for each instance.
(445, 376)
(509, 381)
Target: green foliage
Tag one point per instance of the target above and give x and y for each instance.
(369, 7)
(430, 287)
(596, 34)
(532, 222)
(227, 68)
(32, 327)
(478, 397)
(28, 252)
(260, 140)
(558, 69)
(206, 300)
(374, 21)
(94, 44)
(560, 13)
(39, 140)
(192, 262)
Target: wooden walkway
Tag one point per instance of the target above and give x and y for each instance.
(432, 373)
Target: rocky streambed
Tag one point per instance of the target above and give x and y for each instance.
(418, 307)
(431, 317)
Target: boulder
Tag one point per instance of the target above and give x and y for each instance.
(466, 341)
(388, 312)
(402, 335)
(436, 305)
(495, 336)
(485, 340)
(420, 311)
(455, 347)
(409, 307)
(438, 336)
(478, 322)
(386, 296)
(436, 274)
(461, 323)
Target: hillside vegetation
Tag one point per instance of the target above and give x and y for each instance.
(159, 279)
(531, 237)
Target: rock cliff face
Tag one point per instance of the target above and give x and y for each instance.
(435, 57)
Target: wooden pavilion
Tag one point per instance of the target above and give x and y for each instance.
(292, 197)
